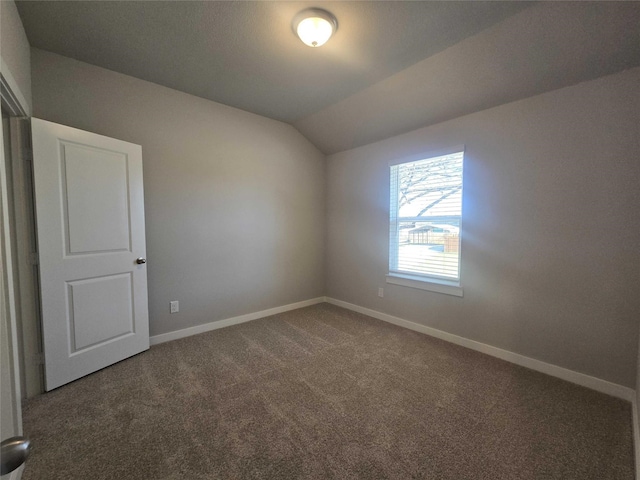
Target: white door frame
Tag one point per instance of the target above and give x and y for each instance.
(27, 288)
(14, 107)
(15, 104)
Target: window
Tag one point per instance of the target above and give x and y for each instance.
(425, 221)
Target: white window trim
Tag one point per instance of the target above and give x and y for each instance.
(429, 283)
(426, 283)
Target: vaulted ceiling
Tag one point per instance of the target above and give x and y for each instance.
(391, 67)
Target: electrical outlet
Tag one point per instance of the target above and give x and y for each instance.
(381, 292)
(175, 306)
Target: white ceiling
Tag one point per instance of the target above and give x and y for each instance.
(392, 66)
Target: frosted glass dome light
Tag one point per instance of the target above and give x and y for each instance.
(315, 26)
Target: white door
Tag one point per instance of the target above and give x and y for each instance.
(91, 243)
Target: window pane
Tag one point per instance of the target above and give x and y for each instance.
(425, 216)
(429, 248)
(430, 187)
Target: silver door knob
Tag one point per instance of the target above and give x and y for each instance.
(13, 452)
(141, 260)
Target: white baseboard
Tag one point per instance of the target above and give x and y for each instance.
(588, 381)
(578, 378)
(187, 332)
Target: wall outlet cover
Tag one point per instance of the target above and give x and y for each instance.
(174, 306)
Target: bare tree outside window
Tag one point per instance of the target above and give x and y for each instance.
(427, 183)
(425, 217)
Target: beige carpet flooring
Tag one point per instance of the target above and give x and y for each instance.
(324, 393)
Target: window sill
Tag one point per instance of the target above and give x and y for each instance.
(431, 284)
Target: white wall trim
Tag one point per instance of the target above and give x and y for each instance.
(588, 381)
(187, 332)
(7, 264)
(431, 284)
(578, 378)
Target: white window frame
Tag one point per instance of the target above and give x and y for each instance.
(433, 283)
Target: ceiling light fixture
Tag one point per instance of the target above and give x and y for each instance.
(314, 26)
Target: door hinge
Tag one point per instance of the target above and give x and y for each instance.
(34, 258)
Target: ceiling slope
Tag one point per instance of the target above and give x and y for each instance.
(545, 47)
(245, 54)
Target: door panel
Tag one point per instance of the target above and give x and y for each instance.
(90, 222)
(95, 186)
(101, 310)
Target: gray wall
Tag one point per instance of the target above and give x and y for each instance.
(551, 228)
(14, 50)
(235, 213)
(234, 201)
